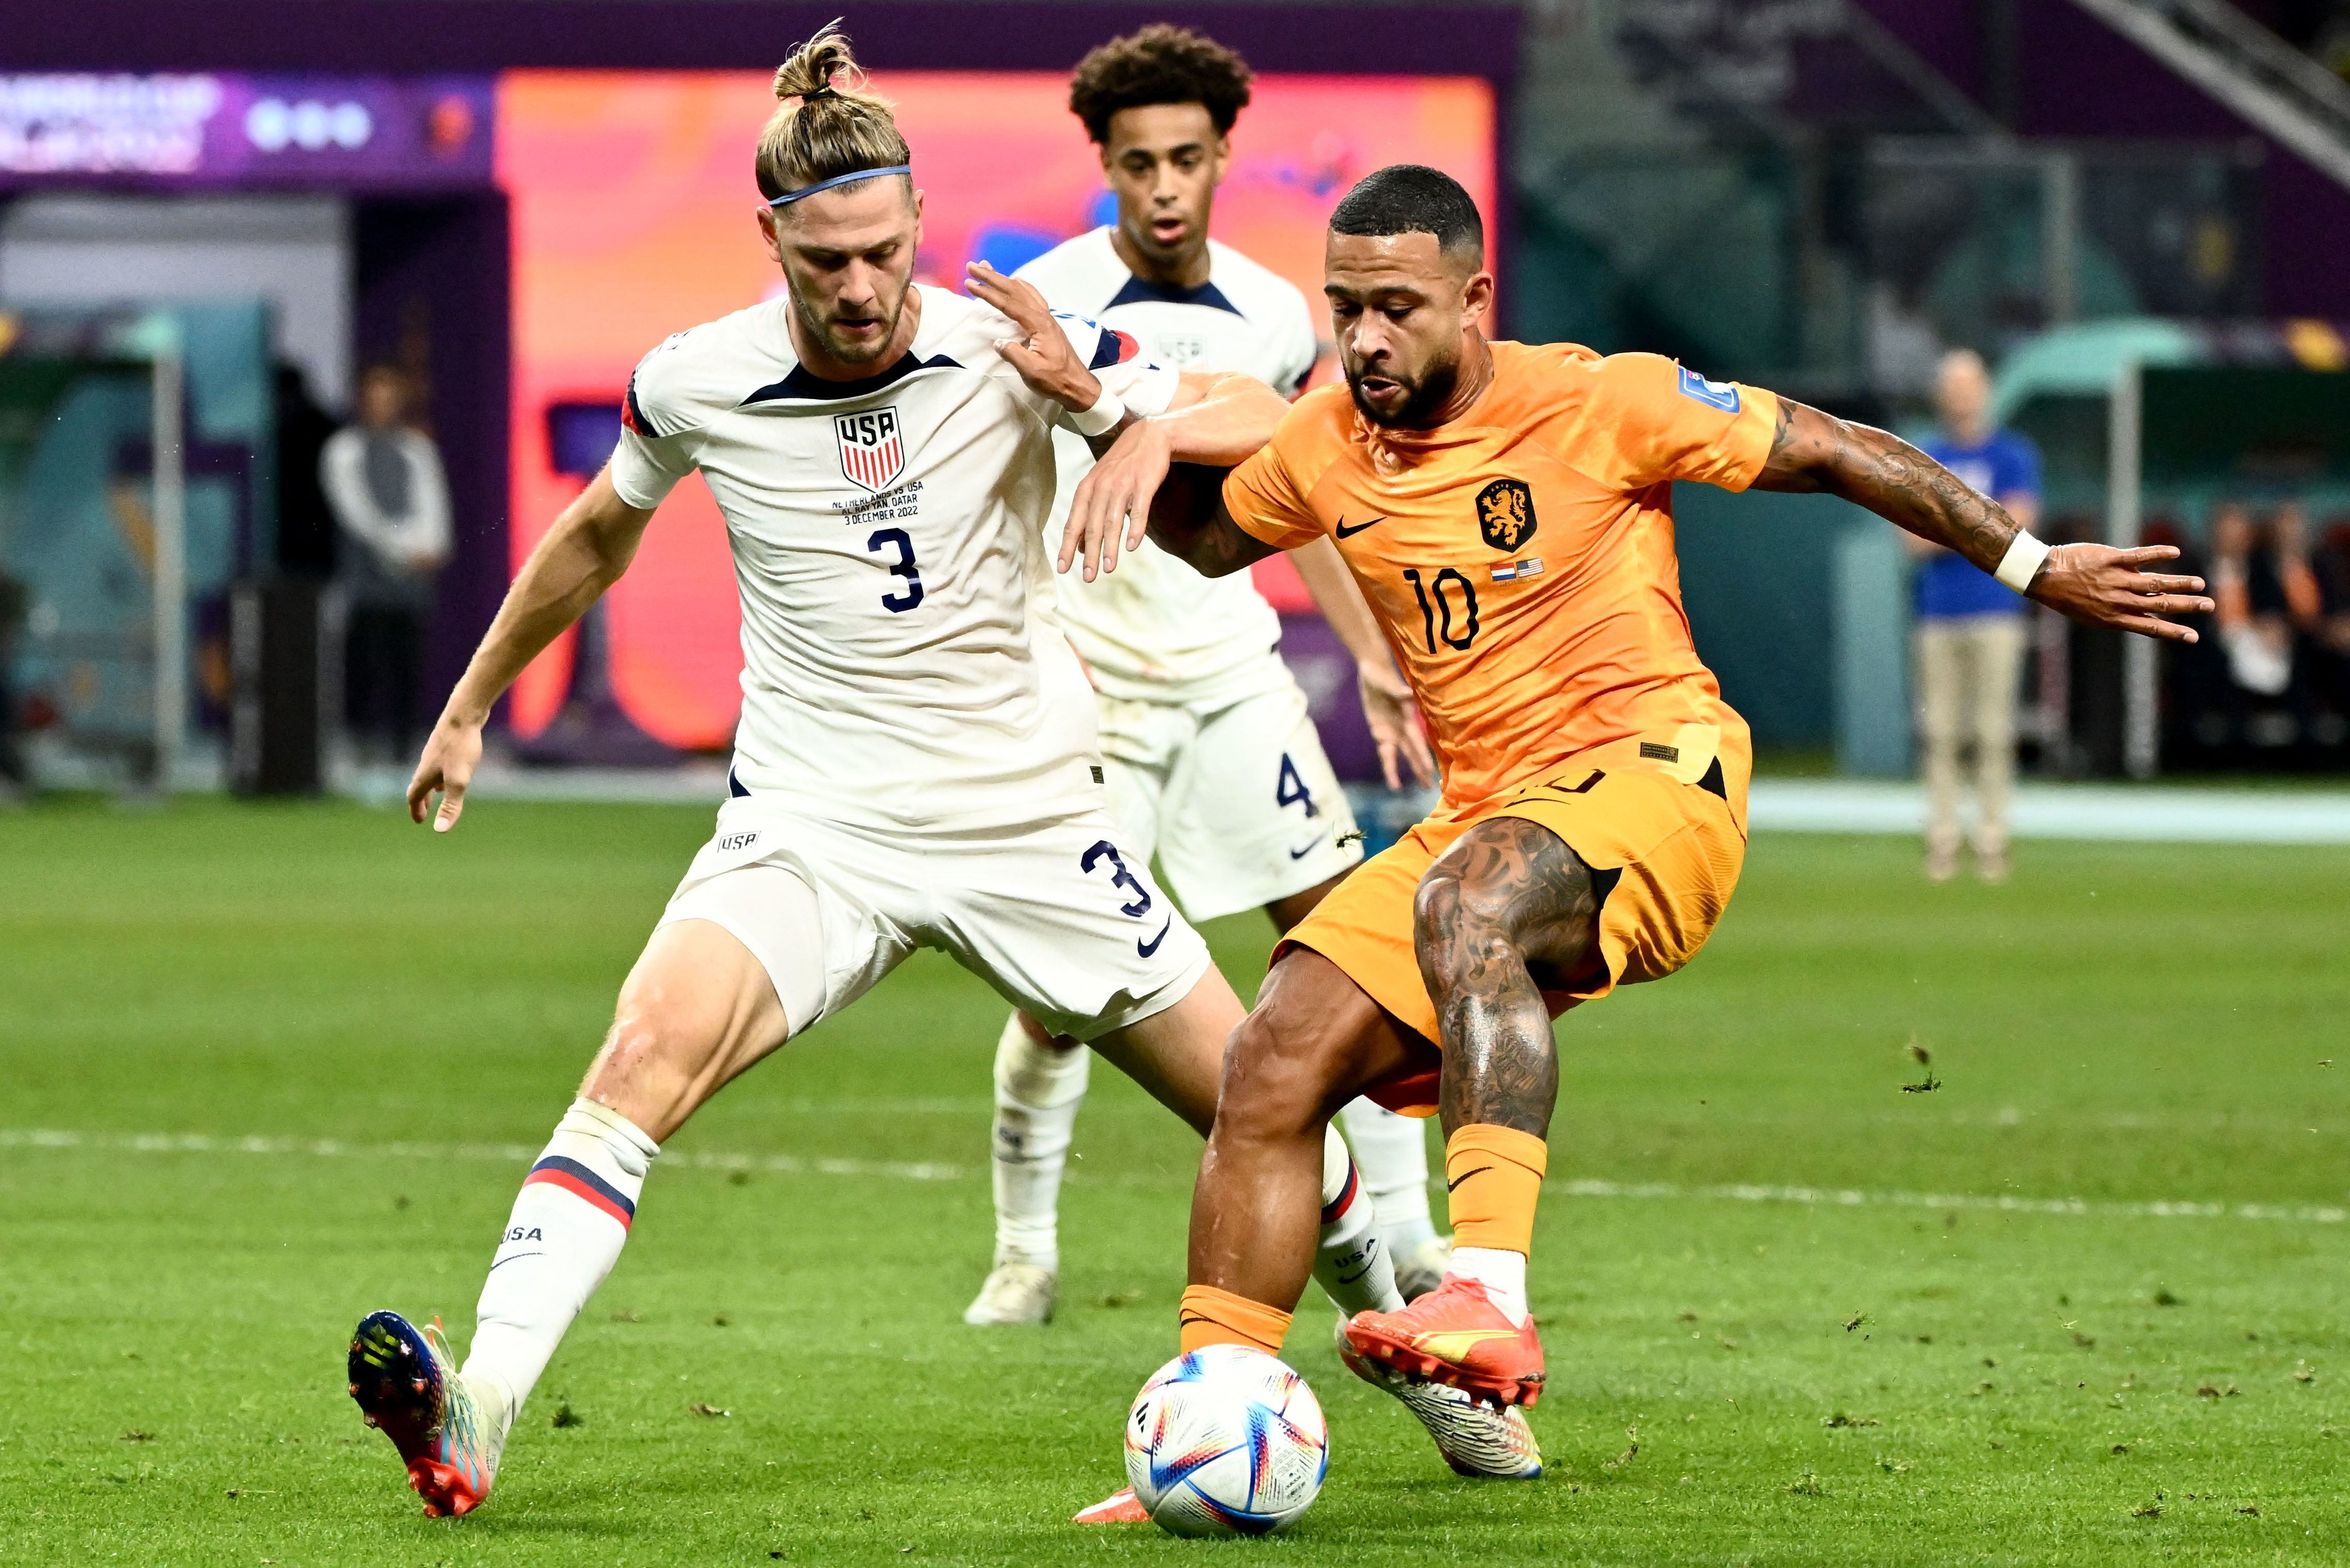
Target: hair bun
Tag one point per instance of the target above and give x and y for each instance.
(808, 73)
(804, 143)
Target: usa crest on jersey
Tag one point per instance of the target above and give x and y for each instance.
(872, 451)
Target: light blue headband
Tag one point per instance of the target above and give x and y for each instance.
(788, 197)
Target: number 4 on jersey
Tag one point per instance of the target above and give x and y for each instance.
(1291, 788)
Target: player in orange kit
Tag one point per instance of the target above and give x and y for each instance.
(1507, 509)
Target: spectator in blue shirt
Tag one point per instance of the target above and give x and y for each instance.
(1971, 631)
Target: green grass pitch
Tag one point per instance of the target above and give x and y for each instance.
(1770, 1343)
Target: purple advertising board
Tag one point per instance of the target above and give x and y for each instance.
(218, 128)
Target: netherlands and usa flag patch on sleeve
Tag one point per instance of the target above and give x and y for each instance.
(1111, 347)
(1722, 395)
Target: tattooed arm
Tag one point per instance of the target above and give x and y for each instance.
(2092, 583)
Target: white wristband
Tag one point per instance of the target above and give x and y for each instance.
(1102, 416)
(2022, 562)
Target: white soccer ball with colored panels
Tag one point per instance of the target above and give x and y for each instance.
(1226, 1441)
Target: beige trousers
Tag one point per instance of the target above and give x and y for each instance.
(1966, 671)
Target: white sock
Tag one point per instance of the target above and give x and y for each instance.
(1038, 1089)
(1351, 1260)
(1392, 1153)
(565, 1234)
(1502, 1273)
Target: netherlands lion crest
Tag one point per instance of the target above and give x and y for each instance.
(1506, 514)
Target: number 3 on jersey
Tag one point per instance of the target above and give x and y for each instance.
(1120, 876)
(903, 566)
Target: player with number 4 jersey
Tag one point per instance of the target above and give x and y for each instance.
(1212, 760)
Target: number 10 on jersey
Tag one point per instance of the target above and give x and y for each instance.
(1443, 619)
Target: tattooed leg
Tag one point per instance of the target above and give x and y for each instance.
(1510, 894)
(1507, 906)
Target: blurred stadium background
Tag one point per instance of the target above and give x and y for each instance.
(272, 1062)
(211, 225)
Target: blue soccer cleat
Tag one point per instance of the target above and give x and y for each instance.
(406, 1385)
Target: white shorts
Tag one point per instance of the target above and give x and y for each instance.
(1061, 917)
(1238, 802)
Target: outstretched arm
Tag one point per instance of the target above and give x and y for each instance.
(2092, 583)
(1211, 418)
(590, 544)
(1215, 419)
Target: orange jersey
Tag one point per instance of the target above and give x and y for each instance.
(1521, 557)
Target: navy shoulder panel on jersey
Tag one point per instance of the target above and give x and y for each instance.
(632, 412)
(801, 386)
(1142, 291)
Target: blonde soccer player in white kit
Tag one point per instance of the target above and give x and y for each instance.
(1213, 764)
(916, 765)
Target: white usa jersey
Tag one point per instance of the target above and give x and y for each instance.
(1154, 630)
(900, 661)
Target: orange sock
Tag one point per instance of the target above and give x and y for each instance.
(1211, 1316)
(1494, 1175)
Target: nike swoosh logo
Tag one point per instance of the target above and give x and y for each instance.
(1346, 533)
(1302, 853)
(1144, 949)
(1464, 1175)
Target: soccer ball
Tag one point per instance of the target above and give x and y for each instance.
(1226, 1441)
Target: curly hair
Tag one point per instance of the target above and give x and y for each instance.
(1160, 63)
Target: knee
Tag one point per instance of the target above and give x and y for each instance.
(646, 1039)
(1275, 1081)
(1459, 929)
(1035, 1067)
(662, 1025)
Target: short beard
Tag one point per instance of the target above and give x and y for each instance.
(821, 331)
(1422, 401)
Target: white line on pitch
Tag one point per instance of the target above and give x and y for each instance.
(1854, 1198)
(793, 1164)
(503, 1153)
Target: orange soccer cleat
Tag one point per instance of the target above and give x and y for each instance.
(1121, 1507)
(1455, 1336)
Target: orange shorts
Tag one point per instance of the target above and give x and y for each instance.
(1673, 831)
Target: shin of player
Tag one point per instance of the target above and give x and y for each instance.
(568, 1224)
(1039, 1085)
(1352, 1261)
